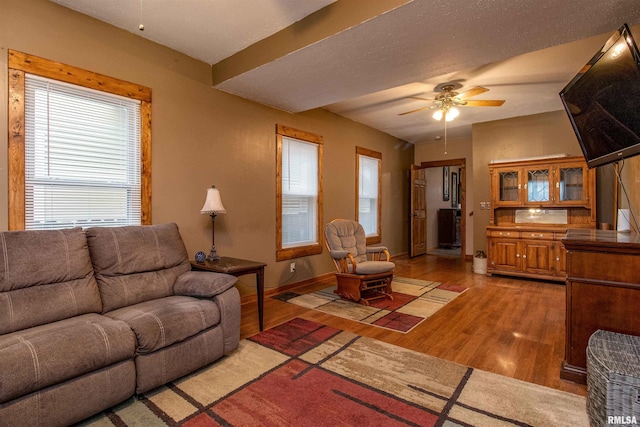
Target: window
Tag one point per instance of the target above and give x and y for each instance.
(83, 157)
(299, 193)
(368, 193)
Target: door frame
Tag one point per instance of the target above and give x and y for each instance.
(462, 179)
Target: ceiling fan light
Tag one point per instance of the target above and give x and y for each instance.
(452, 113)
(438, 114)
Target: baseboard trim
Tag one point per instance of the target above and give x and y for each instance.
(327, 277)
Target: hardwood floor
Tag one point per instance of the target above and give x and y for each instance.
(508, 326)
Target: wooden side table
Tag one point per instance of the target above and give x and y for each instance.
(238, 267)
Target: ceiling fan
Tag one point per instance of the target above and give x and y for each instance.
(448, 99)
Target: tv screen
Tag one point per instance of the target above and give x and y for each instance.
(603, 101)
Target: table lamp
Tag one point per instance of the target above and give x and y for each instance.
(213, 206)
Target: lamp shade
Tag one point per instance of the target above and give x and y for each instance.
(213, 203)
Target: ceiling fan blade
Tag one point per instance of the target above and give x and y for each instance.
(484, 103)
(474, 91)
(420, 99)
(415, 111)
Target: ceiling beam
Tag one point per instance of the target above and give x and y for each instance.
(330, 20)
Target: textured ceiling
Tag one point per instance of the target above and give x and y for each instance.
(523, 51)
(208, 30)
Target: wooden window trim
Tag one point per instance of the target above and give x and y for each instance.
(283, 254)
(21, 63)
(371, 240)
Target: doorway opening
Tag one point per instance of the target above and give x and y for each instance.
(438, 208)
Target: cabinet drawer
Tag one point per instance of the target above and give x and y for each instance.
(604, 267)
(504, 233)
(536, 235)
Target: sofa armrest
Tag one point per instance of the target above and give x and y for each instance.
(203, 284)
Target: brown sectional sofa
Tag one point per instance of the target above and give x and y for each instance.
(90, 318)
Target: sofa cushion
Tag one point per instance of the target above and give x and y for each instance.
(45, 276)
(131, 289)
(136, 264)
(38, 357)
(161, 322)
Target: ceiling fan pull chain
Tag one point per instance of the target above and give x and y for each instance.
(445, 137)
(141, 26)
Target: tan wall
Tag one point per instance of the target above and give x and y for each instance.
(457, 148)
(528, 136)
(201, 136)
(628, 196)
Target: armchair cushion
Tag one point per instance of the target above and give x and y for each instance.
(349, 236)
(374, 267)
(203, 284)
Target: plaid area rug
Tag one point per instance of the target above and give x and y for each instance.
(414, 301)
(302, 373)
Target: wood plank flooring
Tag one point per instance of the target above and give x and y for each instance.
(508, 326)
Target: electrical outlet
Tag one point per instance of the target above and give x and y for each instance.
(292, 267)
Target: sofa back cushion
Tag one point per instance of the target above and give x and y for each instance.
(45, 276)
(134, 264)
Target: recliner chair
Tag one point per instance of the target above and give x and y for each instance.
(362, 274)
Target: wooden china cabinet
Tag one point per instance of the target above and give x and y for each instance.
(533, 204)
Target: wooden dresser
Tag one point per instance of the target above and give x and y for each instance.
(603, 291)
(533, 204)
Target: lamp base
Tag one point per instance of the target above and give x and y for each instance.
(213, 255)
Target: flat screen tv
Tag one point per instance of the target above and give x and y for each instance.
(603, 101)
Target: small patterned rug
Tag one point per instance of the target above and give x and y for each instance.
(414, 301)
(302, 373)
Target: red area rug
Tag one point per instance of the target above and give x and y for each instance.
(413, 301)
(303, 373)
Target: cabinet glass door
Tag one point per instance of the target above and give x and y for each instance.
(508, 186)
(571, 184)
(538, 186)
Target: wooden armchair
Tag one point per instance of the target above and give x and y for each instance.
(362, 274)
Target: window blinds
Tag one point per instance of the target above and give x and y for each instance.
(82, 157)
(368, 194)
(299, 192)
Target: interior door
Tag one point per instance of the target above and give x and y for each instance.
(418, 210)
